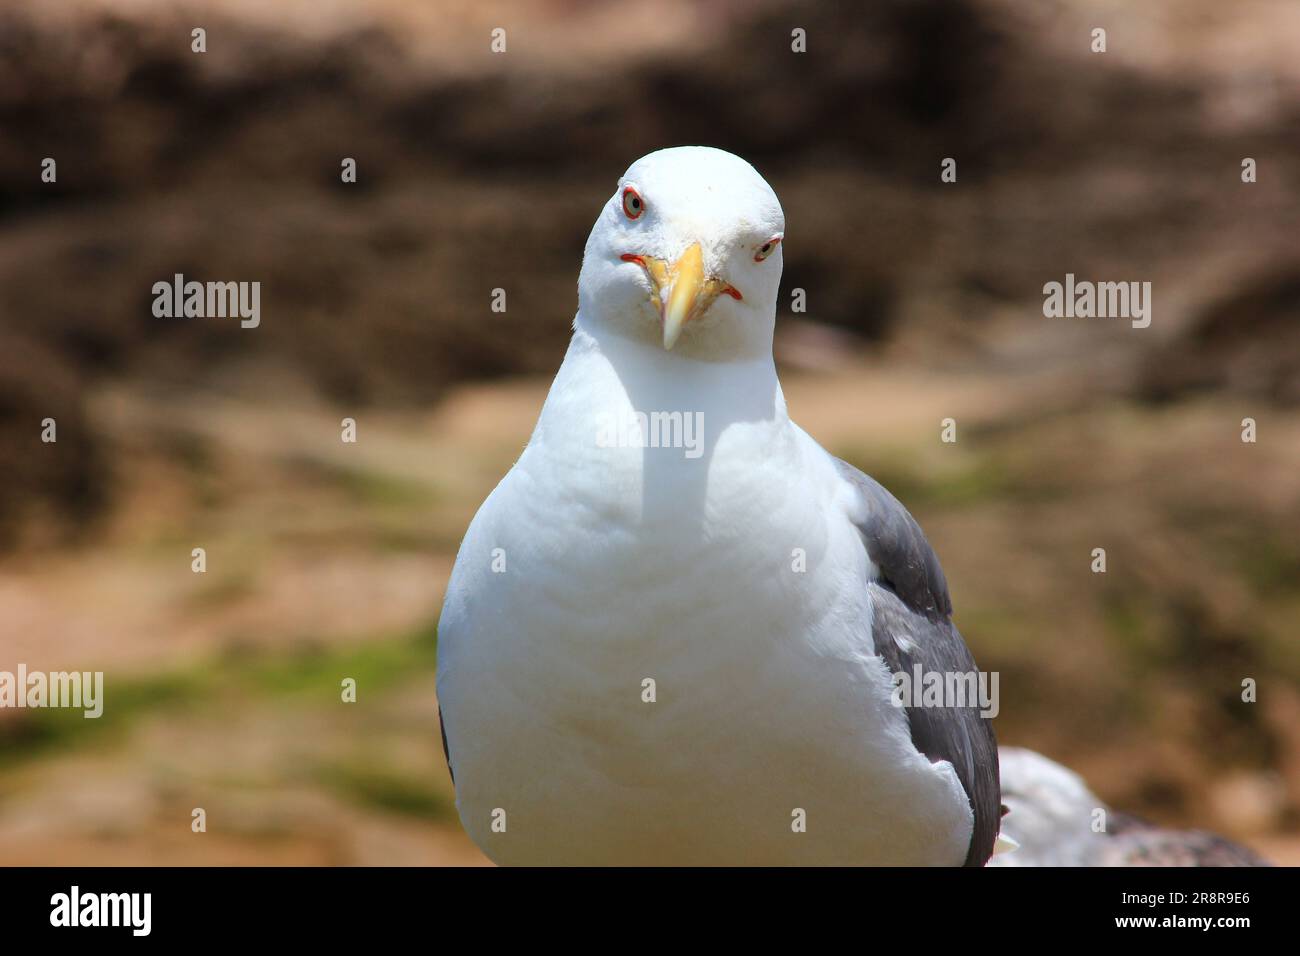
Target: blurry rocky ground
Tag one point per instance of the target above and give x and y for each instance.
(478, 171)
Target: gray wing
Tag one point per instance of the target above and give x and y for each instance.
(1053, 813)
(912, 624)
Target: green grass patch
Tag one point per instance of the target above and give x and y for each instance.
(376, 787)
(27, 735)
(368, 486)
(32, 733)
(375, 665)
(220, 590)
(975, 479)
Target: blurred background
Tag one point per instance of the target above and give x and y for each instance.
(476, 171)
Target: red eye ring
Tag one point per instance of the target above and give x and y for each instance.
(633, 204)
(767, 248)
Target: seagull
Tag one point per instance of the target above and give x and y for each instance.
(672, 632)
(1055, 820)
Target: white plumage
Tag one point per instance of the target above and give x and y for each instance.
(735, 581)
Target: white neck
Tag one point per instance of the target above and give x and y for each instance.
(652, 379)
(737, 408)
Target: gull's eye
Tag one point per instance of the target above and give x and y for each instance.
(633, 204)
(767, 248)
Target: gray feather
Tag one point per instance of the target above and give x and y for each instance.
(912, 624)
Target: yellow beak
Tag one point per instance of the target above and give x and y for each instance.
(686, 282)
(681, 291)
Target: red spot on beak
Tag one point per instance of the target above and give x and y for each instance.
(629, 257)
(732, 291)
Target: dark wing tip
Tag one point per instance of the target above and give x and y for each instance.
(446, 753)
